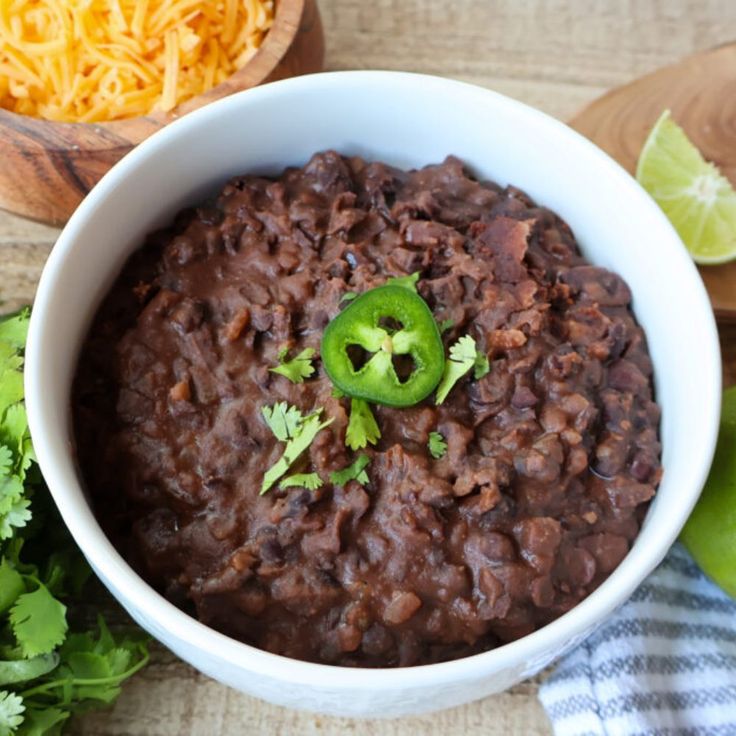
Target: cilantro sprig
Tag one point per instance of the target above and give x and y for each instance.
(481, 366)
(290, 426)
(436, 445)
(354, 471)
(283, 420)
(38, 621)
(362, 427)
(46, 673)
(296, 369)
(464, 355)
(310, 481)
(11, 712)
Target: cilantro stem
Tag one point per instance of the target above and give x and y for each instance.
(81, 681)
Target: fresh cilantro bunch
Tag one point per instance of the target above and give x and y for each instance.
(16, 453)
(46, 673)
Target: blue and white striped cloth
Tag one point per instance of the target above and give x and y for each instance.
(663, 665)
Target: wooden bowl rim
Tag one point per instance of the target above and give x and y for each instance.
(275, 46)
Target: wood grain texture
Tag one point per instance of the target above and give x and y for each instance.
(555, 55)
(47, 167)
(701, 92)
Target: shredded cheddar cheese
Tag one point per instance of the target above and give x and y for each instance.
(95, 60)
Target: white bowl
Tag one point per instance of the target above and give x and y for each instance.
(408, 120)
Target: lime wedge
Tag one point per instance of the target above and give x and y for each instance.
(699, 201)
(710, 533)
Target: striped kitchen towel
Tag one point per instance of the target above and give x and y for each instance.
(663, 665)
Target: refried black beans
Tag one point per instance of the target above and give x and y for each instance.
(552, 456)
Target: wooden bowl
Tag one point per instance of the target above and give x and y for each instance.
(47, 168)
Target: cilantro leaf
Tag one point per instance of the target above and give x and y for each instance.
(296, 369)
(14, 428)
(17, 516)
(90, 673)
(298, 435)
(11, 489)
(355, 471)
(119, 660)
(11, 585)
(22, 670)
(362, 428)
(437, 445)
(14, 511)
(89, 665)
(11, 712)
(310, 481)
(11, 378)
(65, 572)
(348, 296)
(44, 722)
(282, 419)
(408, 282)
(14, 328)
(463, 355)
(446, 324)
(6, 461)
(38, 622)
(481, 367)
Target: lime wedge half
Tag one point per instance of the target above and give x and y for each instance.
(710, 533)
(699, 201)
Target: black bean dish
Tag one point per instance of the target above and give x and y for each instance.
(368, 417)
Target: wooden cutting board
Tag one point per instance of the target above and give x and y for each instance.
(701, 92)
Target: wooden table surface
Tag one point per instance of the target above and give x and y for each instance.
(553, 54)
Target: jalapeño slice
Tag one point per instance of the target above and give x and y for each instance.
(385, 347)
